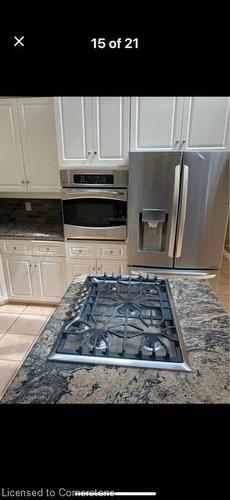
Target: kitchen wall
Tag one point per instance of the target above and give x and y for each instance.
(27, 213)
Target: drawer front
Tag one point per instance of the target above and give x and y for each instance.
(111, 252)
(81, 250)
(16, 247)
(48, 248)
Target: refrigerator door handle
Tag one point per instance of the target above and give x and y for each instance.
(183, 210)
(174, 210)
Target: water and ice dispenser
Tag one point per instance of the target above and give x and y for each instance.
(152, 229)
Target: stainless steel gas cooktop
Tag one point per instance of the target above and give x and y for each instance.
(127, 321)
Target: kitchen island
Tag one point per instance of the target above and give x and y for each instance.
(205, 329)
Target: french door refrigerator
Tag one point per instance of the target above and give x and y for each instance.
(178, 206)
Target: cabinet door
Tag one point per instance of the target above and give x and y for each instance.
(205, 123)
(12, 174)
(156, 123)
(111, 266)
(20, 277)
(73, 116)
(80, 266)
(3, 292)
(37, 124)
(51, 277)
(110, 122)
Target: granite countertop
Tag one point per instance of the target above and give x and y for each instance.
(205, 328)
(33, 232)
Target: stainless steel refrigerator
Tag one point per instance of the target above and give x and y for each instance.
(178, 206)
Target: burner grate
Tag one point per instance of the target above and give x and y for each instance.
(124, 320)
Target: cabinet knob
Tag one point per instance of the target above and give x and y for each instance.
(15, 248)
(79, 251)
(22, 182)
(89, 153)
(31, 265)
(47, 249)
(111, 251)
(95, 152)
(27, 182)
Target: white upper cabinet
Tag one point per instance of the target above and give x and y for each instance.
(28, 146)
(156, 123)
(37, 125)
(110, 125)
(92, 131)
(172, 123)
(205, 123)
(12, 174)
(73, 117)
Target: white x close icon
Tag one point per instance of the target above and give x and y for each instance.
(19, 41)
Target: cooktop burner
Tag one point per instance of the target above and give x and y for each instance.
(129, 321)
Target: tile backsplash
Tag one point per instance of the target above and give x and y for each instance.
(30, 211)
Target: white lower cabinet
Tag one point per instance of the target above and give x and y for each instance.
(34, 270)
(42, 278)
(3, 290)
(20, 277)
(80, 266)
(90, 257)
(40, 270)
(51, 277)
(111, 266)
(92, 266)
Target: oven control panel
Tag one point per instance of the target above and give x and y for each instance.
(105, 179)
(108, 179)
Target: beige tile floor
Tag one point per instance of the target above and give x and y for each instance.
(220, 284)
(20, 325)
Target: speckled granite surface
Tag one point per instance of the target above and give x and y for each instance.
(33, 232)
(43, 220)
(205, 328)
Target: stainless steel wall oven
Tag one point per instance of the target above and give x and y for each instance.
(94, 204)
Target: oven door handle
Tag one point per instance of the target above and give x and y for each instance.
(108, 191)
(94, 227)
(95, 193)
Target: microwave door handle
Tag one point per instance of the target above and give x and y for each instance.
(183, 210)
(176, 191)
